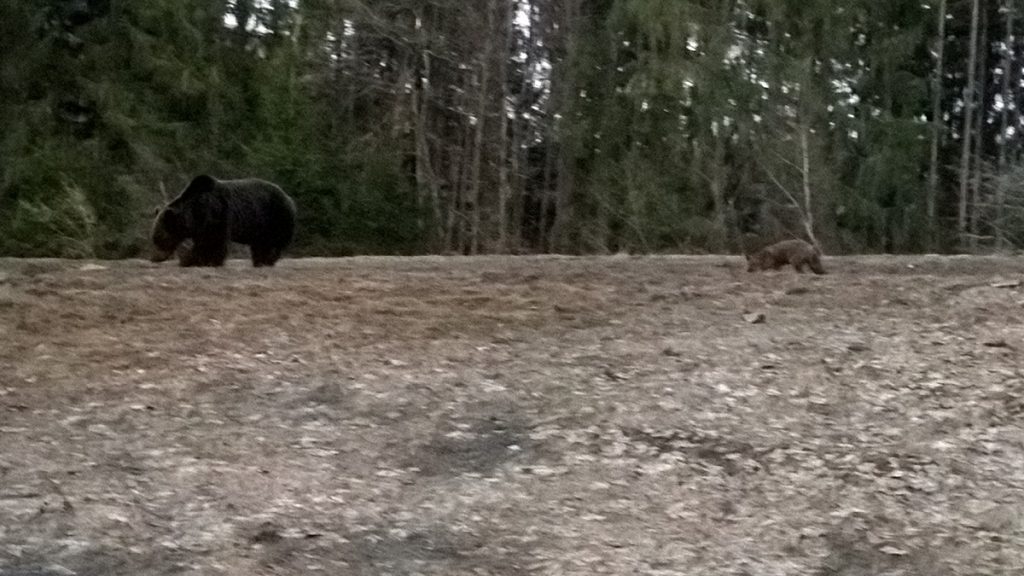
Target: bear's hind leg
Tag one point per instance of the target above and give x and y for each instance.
(264, 256)
(275, 255)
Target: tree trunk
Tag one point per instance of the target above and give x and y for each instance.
(483, 83)
(805, 156)
(426, 181)
(565, 184)
(977, 199)
(937, 128)
(566, 162)
(520, 133)
(504, 185)
(970, 89)
(1004, 122)
(461, 218)
(718, 192)
(452, 226)
(547, 192)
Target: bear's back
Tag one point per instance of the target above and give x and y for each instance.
(260, 211)
(795, 252)
(794, 248)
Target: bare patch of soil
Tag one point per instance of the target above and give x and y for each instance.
(512, 416)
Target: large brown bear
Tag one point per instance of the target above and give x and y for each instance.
(213, 213)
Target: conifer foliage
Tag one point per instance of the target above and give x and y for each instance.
(519, 126)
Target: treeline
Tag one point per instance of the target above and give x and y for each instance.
(578, 126)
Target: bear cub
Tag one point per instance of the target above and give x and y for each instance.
(213, 213)
(795, 252)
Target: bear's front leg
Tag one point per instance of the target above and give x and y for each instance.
(187, 257)
(211, 249)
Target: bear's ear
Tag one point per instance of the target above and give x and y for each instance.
(199, 185)
(156, 211)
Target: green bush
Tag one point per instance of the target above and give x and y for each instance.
(63, 227)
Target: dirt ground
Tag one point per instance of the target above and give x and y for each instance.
(506, 416)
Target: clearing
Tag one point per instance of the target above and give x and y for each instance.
(506, 416)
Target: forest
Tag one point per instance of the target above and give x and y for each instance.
(520, 126)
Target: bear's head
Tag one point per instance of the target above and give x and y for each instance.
(173, 223)
(759, 261)
(169, 230)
